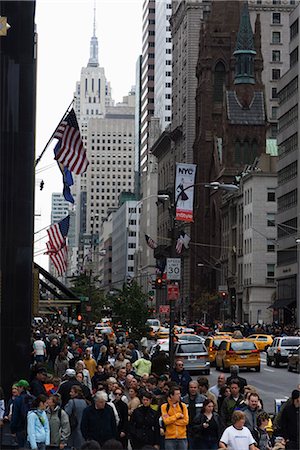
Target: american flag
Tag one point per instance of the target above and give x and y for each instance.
(179, 244)
(57, 234)
(71, 153)
(59, 258)
(150, 242)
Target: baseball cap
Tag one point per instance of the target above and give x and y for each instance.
(70, 373)
(22, 383)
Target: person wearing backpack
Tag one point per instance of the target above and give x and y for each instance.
(38, 431)
(21, 406)
(58, 422)
(175, 417)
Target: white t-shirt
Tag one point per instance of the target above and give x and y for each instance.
(237, 439)
(39, 347)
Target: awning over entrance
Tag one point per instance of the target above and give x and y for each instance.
(282, 303)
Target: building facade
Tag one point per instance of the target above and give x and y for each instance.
(274, 19)
(285, 307)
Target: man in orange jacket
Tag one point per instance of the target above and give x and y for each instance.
(175, 418)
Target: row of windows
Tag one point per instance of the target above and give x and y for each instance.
(294, 56)
(248, 196)
(288, 91)
(113, 134)
(112, 141)
(247, 221)
(288, 200)
(287, 146)
(294, 29)
(245, 151)
(288, 118)
(287, 173)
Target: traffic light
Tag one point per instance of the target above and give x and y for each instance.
(79, 317)
(158, 282)
(42, 185)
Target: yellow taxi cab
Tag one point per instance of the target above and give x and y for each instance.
(224, 333)
(212, 344)
(238, 352)
(262, 341)
(163, 333)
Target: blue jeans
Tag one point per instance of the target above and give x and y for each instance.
(176, 444)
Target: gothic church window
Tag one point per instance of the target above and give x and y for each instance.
(219, 81)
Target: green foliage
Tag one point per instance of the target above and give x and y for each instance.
(129, 306)
(84, 286)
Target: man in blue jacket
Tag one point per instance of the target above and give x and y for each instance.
(181, 376)
(21, 406)
(98, 421)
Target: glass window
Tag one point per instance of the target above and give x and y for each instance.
(191, 348)
(276, 55)
(271, 195)
(270, 270)
(274, 92)
(276, 18)
(242, 346)
(276, 37)
(275, 74)
(271, 219)
(270, 245)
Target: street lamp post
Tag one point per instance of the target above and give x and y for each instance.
(214, 185)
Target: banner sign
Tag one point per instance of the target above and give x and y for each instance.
(173, 292)
(184, 191)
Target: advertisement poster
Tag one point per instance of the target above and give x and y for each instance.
(184, 191)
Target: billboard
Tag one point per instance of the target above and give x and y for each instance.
(184, 191)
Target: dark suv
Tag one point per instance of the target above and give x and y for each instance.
(279, 351)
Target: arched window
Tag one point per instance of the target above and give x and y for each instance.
(219, 81)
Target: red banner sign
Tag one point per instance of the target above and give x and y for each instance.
(164, 309)
(173, 292)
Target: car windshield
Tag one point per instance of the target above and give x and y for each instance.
(290, 342)
(238, 346)
(190, 338)
(153, 323)
(191, 348)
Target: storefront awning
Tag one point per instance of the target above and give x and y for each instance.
(282, 303)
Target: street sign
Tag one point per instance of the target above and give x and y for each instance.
(173, 292)
(164, 309)
(173, 268)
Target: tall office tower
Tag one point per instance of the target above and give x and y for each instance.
(137, 144)
(147, 77)
(288, 264)
(124, 247)
(163, 63)
(274, 19)
(187, 16)
(59, 207)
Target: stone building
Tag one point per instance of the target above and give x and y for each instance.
(230, 123)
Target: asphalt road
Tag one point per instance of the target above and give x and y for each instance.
(272, 383)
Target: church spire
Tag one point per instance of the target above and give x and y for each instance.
(93, 61)
(244, 50)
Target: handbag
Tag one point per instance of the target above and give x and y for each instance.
(73, 418)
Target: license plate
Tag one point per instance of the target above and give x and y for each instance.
(192, 357)
(243, 356)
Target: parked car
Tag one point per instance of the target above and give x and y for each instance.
(279, 351)
(194, 356)
(238, 352)
(293, 360)
(262, 341)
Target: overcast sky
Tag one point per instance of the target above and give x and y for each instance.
(64, 30)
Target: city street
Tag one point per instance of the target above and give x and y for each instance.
(271, 383)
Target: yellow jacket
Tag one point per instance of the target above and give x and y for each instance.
(175, 425)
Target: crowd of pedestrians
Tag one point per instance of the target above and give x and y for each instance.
(86, 392)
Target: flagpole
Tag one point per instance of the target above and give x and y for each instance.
(46, 146)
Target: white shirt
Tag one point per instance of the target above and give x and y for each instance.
(237, 439)
(39, 347)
